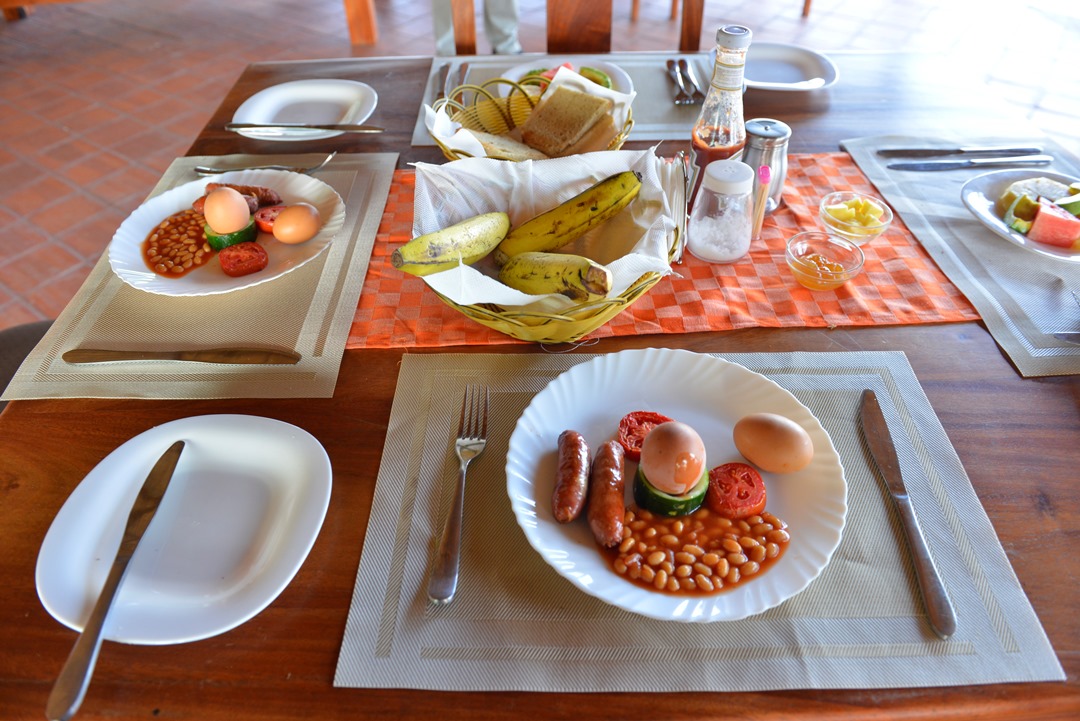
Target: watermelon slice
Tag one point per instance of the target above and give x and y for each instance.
(1053, 225)
(550, 74)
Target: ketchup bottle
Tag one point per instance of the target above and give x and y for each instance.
(720, 130)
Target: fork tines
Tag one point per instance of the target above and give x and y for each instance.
(474, 412)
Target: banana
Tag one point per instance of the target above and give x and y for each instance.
(555, 228)
(537, 273)
(465, 242)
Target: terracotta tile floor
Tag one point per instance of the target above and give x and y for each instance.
(90, 117)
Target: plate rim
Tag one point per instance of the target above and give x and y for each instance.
(973, 193)
(604, 65)
(317, 492)
(832, 76)
(682, 609)
(240, 114)
(129, 272)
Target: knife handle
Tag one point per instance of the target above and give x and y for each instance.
(938, 607)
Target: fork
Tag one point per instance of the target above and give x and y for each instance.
(204, 170)
(681, 97)
(472, 437)
(688, 73)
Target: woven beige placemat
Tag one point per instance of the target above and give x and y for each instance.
(308, 310)
(656, 117)
(515, 624)
(1022, 296)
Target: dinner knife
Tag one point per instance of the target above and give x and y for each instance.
(440, 84)
(285, 127)
(1024, 160)
(70, 688)
(688, 72)
(239, 356)
(962, 150)
(1068, 337)
(876, 430)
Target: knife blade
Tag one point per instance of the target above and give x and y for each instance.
(70, 688)
(239, 356)
(285, 127)
(1068, 337)
(1024, 160)
(440, 84)
(460, 75)
(876, 431)
(688, 72)
(962, 150)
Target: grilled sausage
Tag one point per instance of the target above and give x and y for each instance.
(571, 477)
(607, 504)
(256, 196)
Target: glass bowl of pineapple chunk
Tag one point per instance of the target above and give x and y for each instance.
(855, 216)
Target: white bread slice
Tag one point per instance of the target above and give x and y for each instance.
(561, 118)
(598, 137)
(506, 148)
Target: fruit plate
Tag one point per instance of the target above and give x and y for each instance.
(711, 395)
(620, 80)
(126, 254)
(980, 195)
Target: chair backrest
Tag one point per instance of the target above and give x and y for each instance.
(579, 26)
(463, 14)
(690, 35)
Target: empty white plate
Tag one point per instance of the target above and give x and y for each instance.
(320, 102)
(778, 66)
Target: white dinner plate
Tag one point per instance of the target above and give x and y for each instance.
(126, 254)
(320, 102)
(243, 509)
(778, 66)
(980, 195)
(711, 395)
(620, 81)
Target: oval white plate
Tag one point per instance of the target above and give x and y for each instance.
(620, 81)
(242, 511)
(980, 195)
(322, 102)
(711, 395)
(790, 68)
(125, 250)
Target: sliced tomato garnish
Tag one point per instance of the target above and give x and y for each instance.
(633, 428)
(265, 217)
(736, 491)
(243, 259)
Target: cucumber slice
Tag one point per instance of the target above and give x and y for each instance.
(218, 241)
(652, 499)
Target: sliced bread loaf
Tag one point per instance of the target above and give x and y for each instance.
(561, 118)
(506, 148)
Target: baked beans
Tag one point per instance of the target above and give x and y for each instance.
(177, 245)
(701, 553)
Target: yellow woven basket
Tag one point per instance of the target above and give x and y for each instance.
(490, 108)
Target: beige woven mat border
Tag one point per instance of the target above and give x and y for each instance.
(308, 310)
(517, 625)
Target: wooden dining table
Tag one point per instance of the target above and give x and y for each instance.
(1019, 440)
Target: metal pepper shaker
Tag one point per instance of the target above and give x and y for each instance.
(767, 144)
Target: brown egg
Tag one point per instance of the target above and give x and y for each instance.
(226, 211)
(773, 443)
(298, 223)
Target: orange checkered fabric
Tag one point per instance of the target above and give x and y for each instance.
(899, 285)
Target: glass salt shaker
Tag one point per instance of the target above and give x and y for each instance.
(767, 144)
(722, 219)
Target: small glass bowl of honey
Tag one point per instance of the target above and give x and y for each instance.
(821, 261)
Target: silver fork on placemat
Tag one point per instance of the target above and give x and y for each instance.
(471, 440)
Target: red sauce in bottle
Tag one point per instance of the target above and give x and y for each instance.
(703, 141)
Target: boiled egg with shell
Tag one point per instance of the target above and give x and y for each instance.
(297, 223)
(773, 442)
(226, 211)
(673, 458)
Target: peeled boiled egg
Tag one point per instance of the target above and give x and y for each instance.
(773, 443)
(673, 457)
(297, 223)
(226, 211)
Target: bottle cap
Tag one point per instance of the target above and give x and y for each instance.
(766, 133)
(734, 36)
(728, 177)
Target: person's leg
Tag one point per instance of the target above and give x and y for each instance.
(501, 26)
(443, 23)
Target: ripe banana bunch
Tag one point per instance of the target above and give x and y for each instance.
(465, 242)
(538, 273)
(572, 219)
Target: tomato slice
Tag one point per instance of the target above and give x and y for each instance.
(735, 491)
(633, 428)
(265, 217)
(243, 259)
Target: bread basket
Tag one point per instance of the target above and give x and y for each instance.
(497, 106)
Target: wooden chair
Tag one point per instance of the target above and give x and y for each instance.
(463, 13)
(584, 26)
